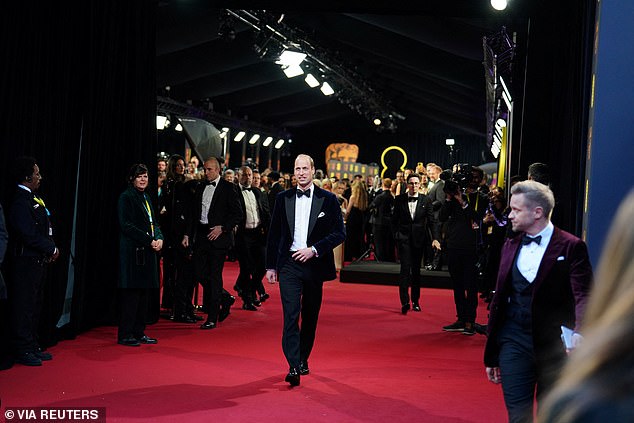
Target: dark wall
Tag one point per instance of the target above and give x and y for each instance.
(80, 97)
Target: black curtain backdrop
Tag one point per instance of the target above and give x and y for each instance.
(553, 126)
(79, 73)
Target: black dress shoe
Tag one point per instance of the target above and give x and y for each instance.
(257, 303)
(30, 359)
(223, 313)
(405, 308)
(208, 325)
(43, 355)
(147, 340)
(292, 377)
(303, 368)
(129, 342)
(415, 307)
(264, 297)
(249, 306)
(196, 317)
(183, 318)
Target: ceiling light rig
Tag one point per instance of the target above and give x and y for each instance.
(278, 41)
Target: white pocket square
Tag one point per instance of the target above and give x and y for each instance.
(322, 214)
(561, 258)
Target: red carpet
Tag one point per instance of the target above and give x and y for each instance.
(370, 364)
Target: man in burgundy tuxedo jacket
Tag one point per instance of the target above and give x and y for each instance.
(543, 283)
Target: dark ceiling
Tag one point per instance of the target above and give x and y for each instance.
(424, 59)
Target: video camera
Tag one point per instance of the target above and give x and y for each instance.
(459, 179)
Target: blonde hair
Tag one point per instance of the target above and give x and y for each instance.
(601, 367)
(360, 192)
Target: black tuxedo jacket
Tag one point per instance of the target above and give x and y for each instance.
(414, 231)
(325, 231)
(560, 293)
(276, 188)
(263, 211)
(224, 210)
(437, 194)
(382, 206)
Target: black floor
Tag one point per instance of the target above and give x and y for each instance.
(386, 273)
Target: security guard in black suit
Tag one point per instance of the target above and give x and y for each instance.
(31, 249)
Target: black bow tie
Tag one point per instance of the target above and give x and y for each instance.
(300, 193)
(412, 199)
(246, 188)
(526, 240)
(213, 184)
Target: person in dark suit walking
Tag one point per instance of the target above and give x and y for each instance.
(31, 248)
(413, 216)
(251, 238)
(140, 240)
(213, 215)
(543, 283)
(381, 209)
(306, 226)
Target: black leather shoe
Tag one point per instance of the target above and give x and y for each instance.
(405, 308)
(415, 307)
(223, 313)
(303, 368)
(30, 359)
(249, 306)
(257, 303)
(43, 355)
(183, 318)
(292, 377)
(208, 325)
(264, 297)
(147, 340)
(196, 317)
(129, 342)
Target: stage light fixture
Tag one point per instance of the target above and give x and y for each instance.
(267, 141)
(239, 136)
(499, 4)
(292, 70)
(254, 139)
(450, 141)
(178, 127)
(311, 81)
(291, 58)
(161, 122)
(279, 144)
(327, 89)
(377, 121)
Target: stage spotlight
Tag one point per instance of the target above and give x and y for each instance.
(239, 136)
(377, 121)
(291, 58)
(254, 138)
(279, 144)
(178, 127)
(311, 81)
(161, 122)
(292, 70)
(450, 141)
(267, 141)
(499, 4)
(327, 89)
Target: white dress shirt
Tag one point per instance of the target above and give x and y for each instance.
(530, 256)
(302, 217)
(208, 195)
(412, 204)
(251, 207)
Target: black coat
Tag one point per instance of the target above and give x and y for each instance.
(138, 262)
(381, 208)
(30, 227)
(414, 231)
(325, 232)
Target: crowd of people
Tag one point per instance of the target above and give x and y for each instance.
(290, 229)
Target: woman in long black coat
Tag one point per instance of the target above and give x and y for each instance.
(140, 240)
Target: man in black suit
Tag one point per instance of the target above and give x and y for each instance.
(275, 188)
(412, 217)
(381, 208)
(32, 248)
(213, 215)
(437, 196)
(251, 238)
(305, 228)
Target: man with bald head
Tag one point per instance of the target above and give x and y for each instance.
(306, 226)
(214, 213)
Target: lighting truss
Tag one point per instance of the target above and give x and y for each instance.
(273, 37)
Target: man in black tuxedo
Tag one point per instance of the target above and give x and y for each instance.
(437, 196)
(213, 215)
(306, 226)
(381, 208)
(31, 249)
(275, 188)
(251, 238)
(413, 216)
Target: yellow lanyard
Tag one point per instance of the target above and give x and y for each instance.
(149, 214)
(39, 201)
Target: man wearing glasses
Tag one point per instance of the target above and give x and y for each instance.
(413, 215)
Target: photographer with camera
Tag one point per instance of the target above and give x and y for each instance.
(463, 211)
